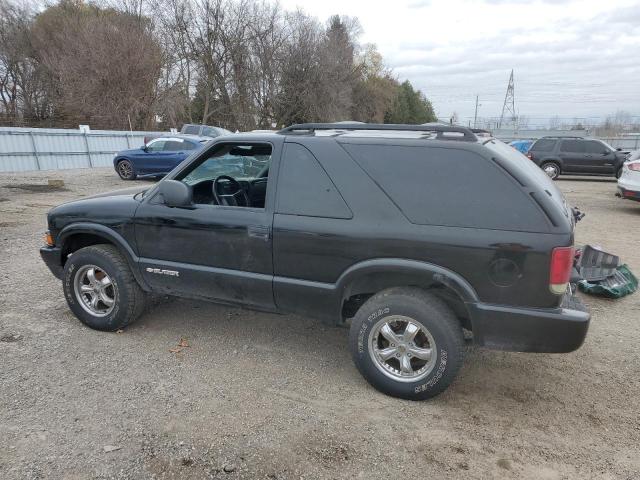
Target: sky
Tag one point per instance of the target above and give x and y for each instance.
(571, 59)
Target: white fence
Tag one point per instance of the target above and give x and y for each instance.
(24, 149)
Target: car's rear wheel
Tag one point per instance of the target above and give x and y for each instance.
(125, 170)
(100, 288)
(552, 169)
(407, 343)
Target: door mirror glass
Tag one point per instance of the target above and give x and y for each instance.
(175, 193)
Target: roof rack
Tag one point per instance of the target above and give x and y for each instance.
(440, 130)
(562, 136)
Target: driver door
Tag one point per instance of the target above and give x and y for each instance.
(210, 251)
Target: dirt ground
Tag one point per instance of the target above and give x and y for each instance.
(277, 397)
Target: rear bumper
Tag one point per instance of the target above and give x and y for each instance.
(556, 330)
(51, 257)
(628, 194)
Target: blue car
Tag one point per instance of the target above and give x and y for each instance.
(522, 146)
(156, 158)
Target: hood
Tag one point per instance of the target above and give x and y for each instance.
(115, 193)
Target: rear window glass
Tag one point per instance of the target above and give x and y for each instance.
(544, 145)
(304, 188)
(448, 186)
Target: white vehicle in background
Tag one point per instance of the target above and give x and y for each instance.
(629, 181)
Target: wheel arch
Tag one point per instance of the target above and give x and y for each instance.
(367, 278)
(79, 235)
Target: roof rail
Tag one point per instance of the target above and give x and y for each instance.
(562, 136)
(440, 130)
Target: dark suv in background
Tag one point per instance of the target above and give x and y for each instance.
(577, 156)
(409, 234)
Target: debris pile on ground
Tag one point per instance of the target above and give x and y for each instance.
(602, 274)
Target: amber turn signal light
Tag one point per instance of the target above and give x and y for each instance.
(48, 239)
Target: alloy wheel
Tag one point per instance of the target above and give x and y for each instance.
(402, 348)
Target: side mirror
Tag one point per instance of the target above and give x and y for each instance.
(176, 194)
(618, 149)
(144, 148)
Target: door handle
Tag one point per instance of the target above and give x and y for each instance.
(260, 232)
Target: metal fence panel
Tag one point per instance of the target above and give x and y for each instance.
(24, 149)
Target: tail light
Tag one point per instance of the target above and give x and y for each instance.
(530, 156)
(560, 272)
(635, 166)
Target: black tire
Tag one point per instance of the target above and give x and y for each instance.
(128, 297)
(548, 167)
(125, 170)
(426, 311)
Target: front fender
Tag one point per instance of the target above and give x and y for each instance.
(110, 236)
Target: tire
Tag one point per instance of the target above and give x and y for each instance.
(125, 170)
(439, 330)
(552, 169)
(100, 272)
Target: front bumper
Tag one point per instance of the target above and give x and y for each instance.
(550, 330)
(52, 257)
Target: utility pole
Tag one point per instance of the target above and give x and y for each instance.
(475, 115)
(509, 105)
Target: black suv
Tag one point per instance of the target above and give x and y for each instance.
(576, 156)
(415, 236)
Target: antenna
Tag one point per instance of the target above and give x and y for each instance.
(509, 105)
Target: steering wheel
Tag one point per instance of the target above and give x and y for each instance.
(238, 198)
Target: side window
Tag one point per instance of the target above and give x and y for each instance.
(156, 146)
(573, 146)
(174, 146)
(191, 129)
(188, 146)
(449, 186)
(595, 148)
(305, 189)
(543, 145)
(246, 163)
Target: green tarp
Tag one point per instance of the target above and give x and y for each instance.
(621, 283)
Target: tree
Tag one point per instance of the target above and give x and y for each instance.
(103, 64)
(410, 106)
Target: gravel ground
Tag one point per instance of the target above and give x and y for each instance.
(267, 396)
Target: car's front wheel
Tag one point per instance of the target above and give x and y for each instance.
(125, 170)
(407, 343)
(100, 288)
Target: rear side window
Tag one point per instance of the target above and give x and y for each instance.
(573, 146)
(304, 188)
(448, 186)
(188, 146)
(543, 145)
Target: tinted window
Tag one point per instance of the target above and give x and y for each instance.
(543, 145)
(174, 146)
(573, 146)
(209, 132)
(156, 146)
(595, 147)
(304, 188)
(448, 186)
(191, 129)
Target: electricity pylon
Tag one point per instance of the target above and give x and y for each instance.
(509, 105)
